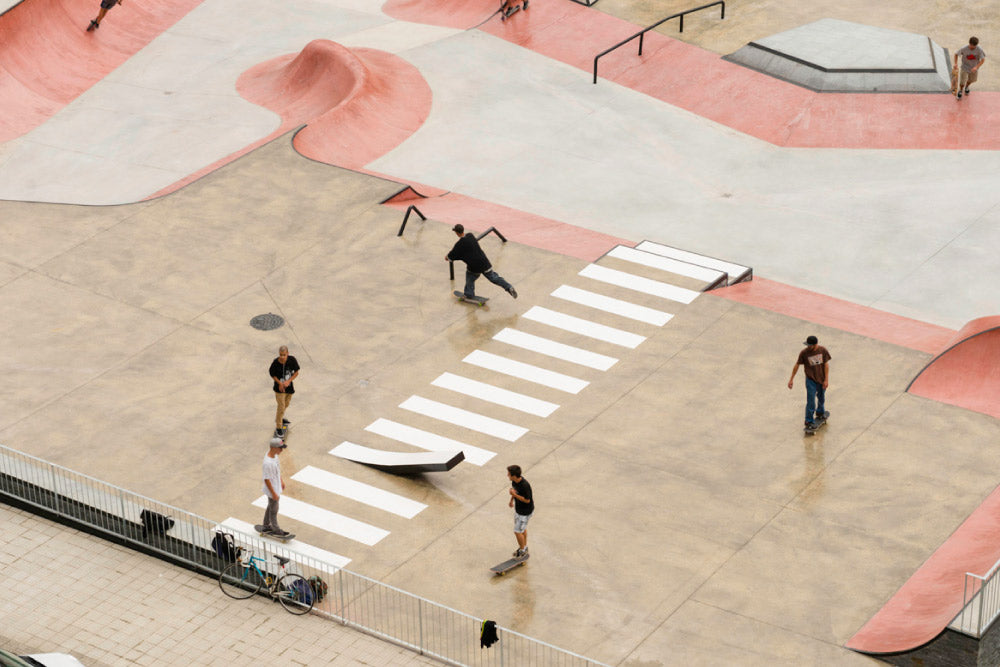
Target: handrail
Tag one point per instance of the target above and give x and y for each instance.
(406, 217)
(642, 32)
(451, 263)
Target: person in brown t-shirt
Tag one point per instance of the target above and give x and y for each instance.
(816, 361)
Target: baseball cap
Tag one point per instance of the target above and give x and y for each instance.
(278, 443)
(460, 228)
(812, 340)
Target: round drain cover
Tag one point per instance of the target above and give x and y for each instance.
(267, 322)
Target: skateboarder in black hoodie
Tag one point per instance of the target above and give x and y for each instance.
(467, 249)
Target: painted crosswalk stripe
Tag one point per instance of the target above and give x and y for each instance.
(359, 491)
(523, 371)
(464, 418)
(332, 522)
(295, 547)
(551, 348)
(584, 327)
(429, 441)
(656, 261)
(638, 283)
(609, 304)
(492, 394)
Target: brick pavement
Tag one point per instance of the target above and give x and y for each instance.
(71, 592)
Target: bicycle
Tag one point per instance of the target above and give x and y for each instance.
(244, 579)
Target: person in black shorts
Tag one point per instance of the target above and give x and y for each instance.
(467, 249)
(523, 503)
(105, 6)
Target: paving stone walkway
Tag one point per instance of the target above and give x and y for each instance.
(70, 592)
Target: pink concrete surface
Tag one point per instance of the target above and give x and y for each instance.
(756, 104)
(838, 314)
(356, 104)
(967, 372)
(525, 228)
(47, 58)
(924, 606)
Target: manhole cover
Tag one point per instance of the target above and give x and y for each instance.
(267, 322)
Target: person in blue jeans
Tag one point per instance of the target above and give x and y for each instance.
(815, 359)
(467, 250)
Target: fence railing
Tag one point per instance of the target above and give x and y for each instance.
(185, 539)
(642, 33)
(981, 603)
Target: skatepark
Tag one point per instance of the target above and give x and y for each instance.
(200, 167)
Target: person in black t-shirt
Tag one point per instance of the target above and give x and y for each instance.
(467, 250)
(524, 505)
(284, 369)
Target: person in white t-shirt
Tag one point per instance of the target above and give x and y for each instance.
(972, 58)
(273, 486)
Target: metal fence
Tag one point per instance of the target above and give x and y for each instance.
(981, 603)
(184, 538)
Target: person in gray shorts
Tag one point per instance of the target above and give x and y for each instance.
(105, 6)
(523, 503)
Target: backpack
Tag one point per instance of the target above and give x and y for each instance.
(225, 547)
(154, 523)
(319, 587)
(303, 591)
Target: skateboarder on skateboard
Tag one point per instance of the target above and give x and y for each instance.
(815, 359)
(524, 505)
(273, 487)
(467, 250)
(283, 370)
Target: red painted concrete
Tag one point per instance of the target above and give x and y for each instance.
(47, 59)
(356, 104)
(844, 315)
(967, 373)
(932, 597)
(524, 228)
(754, 103)
(459, 14)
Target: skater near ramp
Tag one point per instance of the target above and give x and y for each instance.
(467, 250)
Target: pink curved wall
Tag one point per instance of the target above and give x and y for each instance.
(47, 58)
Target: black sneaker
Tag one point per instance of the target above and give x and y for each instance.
(966, 91)
(960, 94)
(811, 426)
(285, 422)
(822, 415)
(279, 433)
(512, 291)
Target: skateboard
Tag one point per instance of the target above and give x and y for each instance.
(820, 423)
(478, 300)
(284, 538)
(505, 14)
(509, 564)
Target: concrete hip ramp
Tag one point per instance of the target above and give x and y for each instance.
(967, 372)
(358, 104)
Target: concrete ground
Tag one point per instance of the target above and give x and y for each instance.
(69, 592)
(683, 518)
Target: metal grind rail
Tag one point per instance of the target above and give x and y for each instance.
(641, 34)
(185, 539)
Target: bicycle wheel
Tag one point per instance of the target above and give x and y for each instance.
(240, 581)
(295, 594)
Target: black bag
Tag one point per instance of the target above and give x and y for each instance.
(154, 523)
(488, 634)
(225, 547)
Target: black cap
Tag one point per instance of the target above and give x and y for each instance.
(458, 228)
(812, 340)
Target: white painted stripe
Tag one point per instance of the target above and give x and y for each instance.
(464, 418)
(488, 392)
(542, 376)
(662, 263)
(332, 522)
(612, 305)
(429, 441)
(732, 269)
(295, 547)
(380, 457)
(638, 283)
(359, 491)
(584, 327)
(551, 348)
